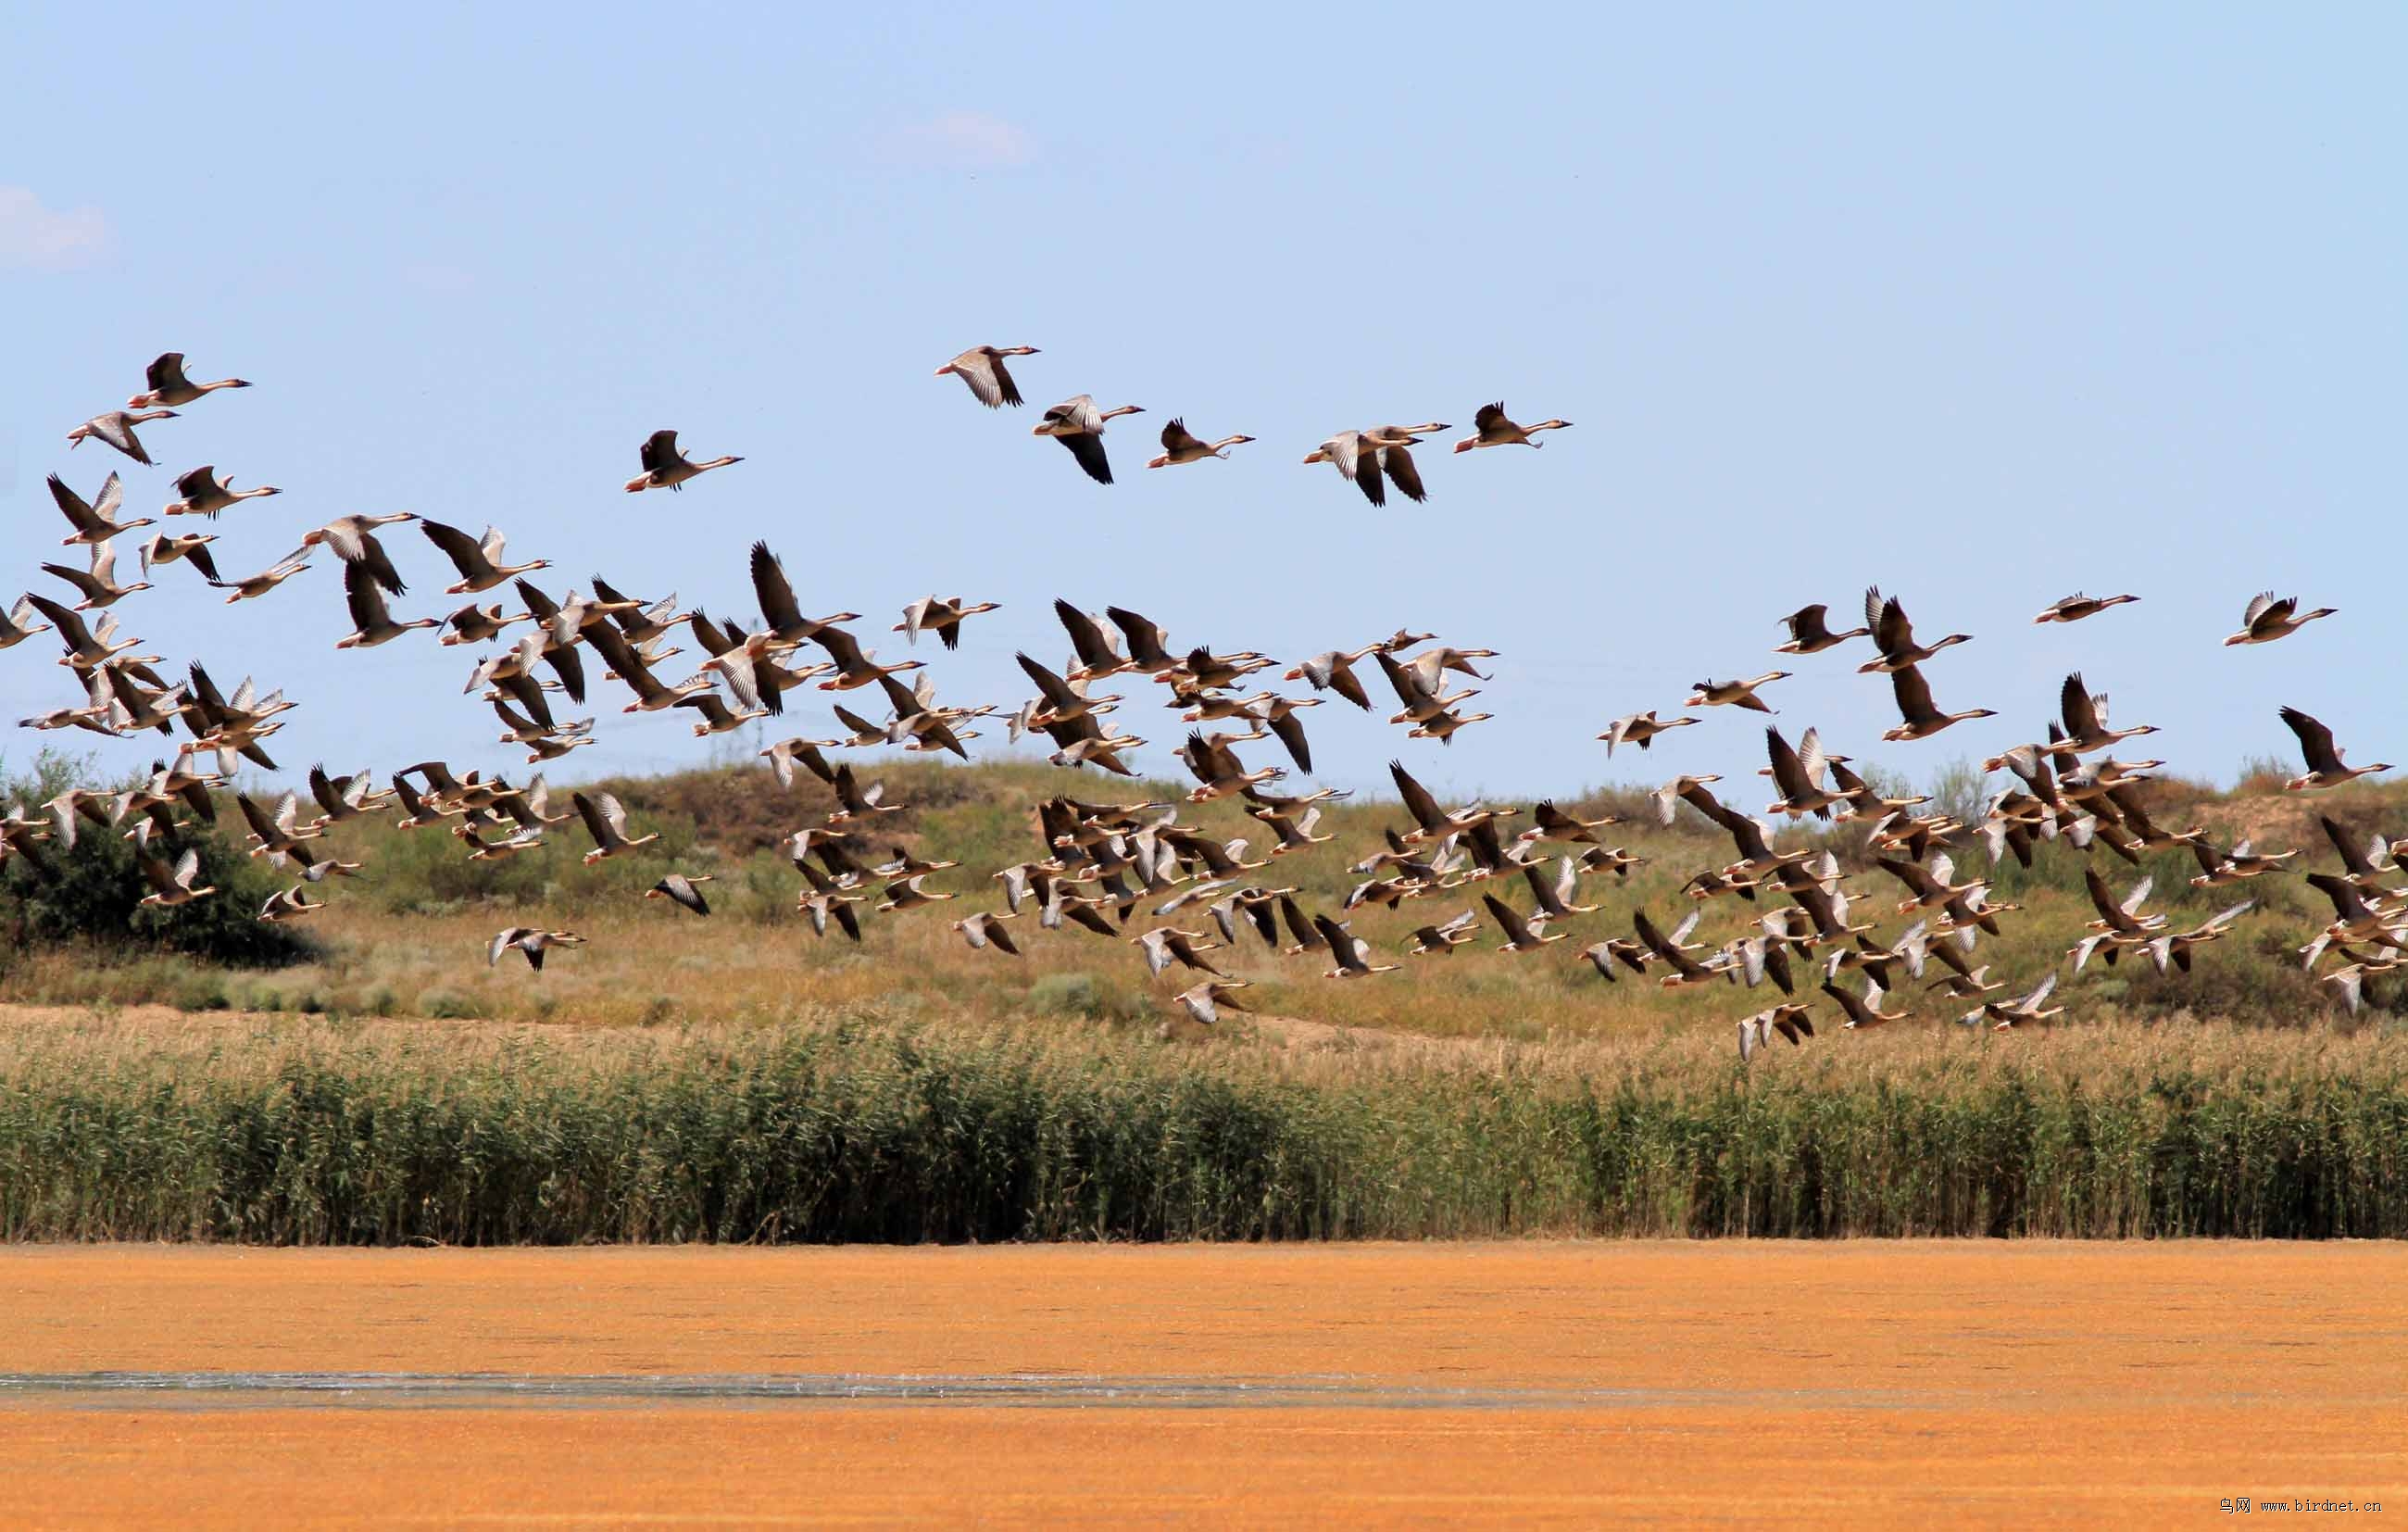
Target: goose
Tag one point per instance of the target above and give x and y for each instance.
(18, 624)
(353, 541)
(1554, 899)
(787, 755)
(2267, 619)
(1204, 1002)
(253, 586)
(606, 821)
(2011, 1013)
(1352, 954)
(2356, 919)
(94, 520)
(908, 893)
(1963, 982)
(2086, 721)
(906, 865)
(2363, 868)
(1442, 938)
(475, 558)
(99, 584)
(1923, 720)
(852, 664)
(668, 469)
(1672, 950)
(474, 624)
(1201, 669)
(982, 368)
(1862, 1011)
(1166, 945)
(289, 904)
(1549, 823)
(2324, 757)
(1295, 833)
(1356, 461)
(339, 798)
(1102, 751)
(1375, 456)
(116, 429)
(2074, 608)
(1148, 648)
(1079, 426)
(1495, 430)
(1797, 775)
(170, 386)
(1333, 671)
(1786, 1020)
(1421, 702)
(1430, 666)
(1639, 729)
(1692, 790)
(1098, 656)
(278, 835)
(1180, 447)
(201, 493)
(941, 617)
(170, 889)
(2177, 947)
(1519, 936)
(1808, 633)
(856, 802)
(825, 903)
(985, 930)
(1431, 822)
(651, 696)
(1895, 635)
(530, 943)
(192, 546)
(1216, 767)
(678, 889)
(1278, 714)
(372, 622)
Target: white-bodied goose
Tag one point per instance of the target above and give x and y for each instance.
(2085, 720)
(1519, 936)
(193, 547)
(253, 586)
(908, 893)
(982, 368)
(2268, 618)
(116, 429)
(1179, 446)
(1809, 633)
(1352, 952)
(353, 541)
(2074, 608)
(2325, 768)
(17, 624)
(1915, 705)
(2011, 1013)
(529, 943)
(606, 821)
(1788, 1020)
(1734, 694)
(1204, 1002)
(201, 491)
(1497, 431)
(1333, 671)
(680, 890)
(99, 584)
(474, 624)
(477, 558)
(2176, 947)
(930, 614)
(985, 930)
(2219, 869)
(170, 386)
(290, 904)
(95, 522)
(1639, 729)
(1079, 426)
(372, 621)
(1895, 635)
(668, 469)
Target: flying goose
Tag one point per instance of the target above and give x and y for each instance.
(530, 943)
(1442, 938)
(474, 624)
(1376, 456)
(606, 821)
(1333, 671)
(170, 386)
(668, 469)
(169, 889)
(289, 904)
(1923, 720)
(1639, 729)
(201, 493)
(982, 368)
(95, 522)
(1786, 1021)
(2176, 947)
(678, 889)
(986, 930)
(1808, 633)
(353, 541)
(1216, 767)
(1352, 954)
(253, 586)
(856, 802)
(1554, 897)
(1797, 775)
(940, 617)
(1178, 446)
(2325, 768)
(193, 547)
(1205, 1002)
(372, 622)
(475, 558)
(1519, 937)
(1079, 426)
(116, 428)
(1497, 431)
(279, 835)
(1166, 945)
(2074, 608)
(908, 893)
(99, 584)
(1895, 635)
(2009, 1013)
(1673, 951)
(17, 624)
(1862, 1011)
(2268, 618)
(1549, 822)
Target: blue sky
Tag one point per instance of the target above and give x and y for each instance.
(1982, 309)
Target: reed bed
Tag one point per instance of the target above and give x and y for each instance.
(870, 1126)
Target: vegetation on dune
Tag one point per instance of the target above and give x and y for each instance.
(856, 1131)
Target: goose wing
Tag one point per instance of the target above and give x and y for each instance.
(359, 592)
(2315, 740)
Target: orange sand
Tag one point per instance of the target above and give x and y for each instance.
(2031, 1383)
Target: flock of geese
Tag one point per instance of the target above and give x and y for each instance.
(1096, 866)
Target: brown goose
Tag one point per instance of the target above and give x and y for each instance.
(193, 547)
(529, 943)
(678, 890)
(372, 621)
(201, 493)
(668, 469)
(1895, 633)
(2325, 768)
(1179, 446)
(1809, 633)
(2268, 618)
(1079, 426)
(1639, 729)
(985, 930)
(172, 888)
(1352, 954)
(2074, 608)
(475, 558)
(353, 541)
(95, 522)
(1915, 705)
(170, 386)
(1734, 694)
(99, 584)
(929, 614)
(1497, 431)
(982, 368)
(116, 429)
(606, 821)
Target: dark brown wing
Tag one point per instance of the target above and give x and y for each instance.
(165, 373)
(1088, 448)
(1913, 695)
(2315, 740)
(1176, 437)
(1489, 417)
(465, 551)
(359, 593)
(1417, 799)
(1006, 389)
(2081, 715)
(659, 450)
(1398, 464)
(776, 596)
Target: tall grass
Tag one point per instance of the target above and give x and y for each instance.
(870, 1130)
